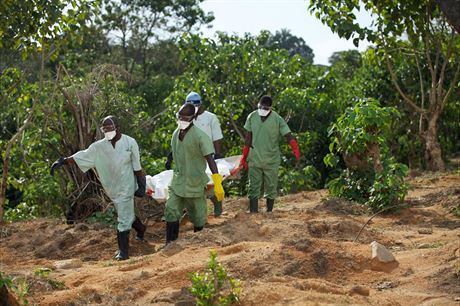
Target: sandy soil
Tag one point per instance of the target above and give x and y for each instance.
(302, 254)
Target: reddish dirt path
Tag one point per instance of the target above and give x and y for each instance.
(302, 254)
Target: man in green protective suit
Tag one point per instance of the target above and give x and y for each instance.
(117, 163)
(191, 149)
(261, 153)
(208, 123)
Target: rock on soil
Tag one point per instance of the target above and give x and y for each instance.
(382, 259)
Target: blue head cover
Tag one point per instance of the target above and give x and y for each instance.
(193, 98)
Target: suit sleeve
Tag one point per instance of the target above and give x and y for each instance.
(86, 159)
(135, 156)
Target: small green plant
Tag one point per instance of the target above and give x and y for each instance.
(21, 289)
(42, 272)
(214, 286)
(6, 280)
(56, 285)
(107, 217)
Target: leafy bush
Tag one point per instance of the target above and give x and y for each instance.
(377, 190)
(107, 217)
(372, 176)
(214, 286)
(23, 211)
(295, 180)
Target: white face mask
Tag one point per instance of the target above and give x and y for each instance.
(109, 135)
(263, 112)
(183, 124)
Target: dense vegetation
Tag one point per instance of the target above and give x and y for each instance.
(369, 115)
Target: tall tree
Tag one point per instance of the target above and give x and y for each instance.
(32, 27)
(294, 44)
(136, 24)
(418, 30)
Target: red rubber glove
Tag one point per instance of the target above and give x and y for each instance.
(295, 148)
(244, 157)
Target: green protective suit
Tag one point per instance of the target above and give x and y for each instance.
(189, 181)
(264, 156)
(115, 168)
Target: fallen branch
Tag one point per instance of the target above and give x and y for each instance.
(380, 211)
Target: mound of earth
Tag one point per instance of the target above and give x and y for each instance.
(301, 254)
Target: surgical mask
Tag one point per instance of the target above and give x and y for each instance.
(263, 112)
(110, 135)
(183, 124)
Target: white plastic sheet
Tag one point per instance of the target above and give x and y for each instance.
(160, 182)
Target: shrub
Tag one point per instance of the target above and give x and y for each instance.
(372, 176)
(23, 211)
(107, 217)
(295, 180)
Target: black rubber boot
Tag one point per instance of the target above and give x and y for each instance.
(270, 203)
(123, 245)
(172, 231)
(254, 205)
(140, 229)
(197, 229)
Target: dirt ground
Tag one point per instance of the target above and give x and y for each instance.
(301, 254)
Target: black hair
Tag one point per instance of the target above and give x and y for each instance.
(266, 100)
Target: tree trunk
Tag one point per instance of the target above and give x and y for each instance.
(433, 156)
(451, 9)
(374, 152)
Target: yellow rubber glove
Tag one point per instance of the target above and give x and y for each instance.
(218, 189)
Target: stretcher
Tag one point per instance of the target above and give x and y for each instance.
(158, 185)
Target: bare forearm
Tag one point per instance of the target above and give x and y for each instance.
(218, 147)
(211, 163)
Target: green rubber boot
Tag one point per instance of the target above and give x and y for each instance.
(217, 208)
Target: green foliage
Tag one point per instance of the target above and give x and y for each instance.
(388, 187)
(391, 18)
(214, 286)
(295, 180)
(355, 132)
(361, 125)
(21, 212)
(34, 25)
(42, 272)
(21, 287)
(419, 49)
(295, 45)
(107, 217)
(377, 190)
(6, 280)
